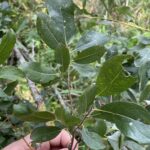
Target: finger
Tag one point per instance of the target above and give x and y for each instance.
(56, 141)
(21, 144)
(56, 148)
(44, 146)
(75, 145)
(63, 139)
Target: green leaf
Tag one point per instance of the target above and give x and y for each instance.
(2, 139)
(92, 139)
(91, 39)
(143, 57)
(6, 46)
(126, 119)
(114, 140)
(90, 55)
(11, 73)
(112, 79)
(44, 133)
(38, 73)
(145, 94)
(3, 94)
(124, 10)
(42, 116)
(23, 108)
(10, 87)
(46, 28)
(128, 109)
(57, 28)
(91, 47)
(144, 40)
(49, 32)
(62, 57)
(100, 127)
(86, 100)
(5, 106)
(143, 75)
(66, 118)
(62, 13)
(85, 70)
(133, 145)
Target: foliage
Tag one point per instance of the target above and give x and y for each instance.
(85, 69)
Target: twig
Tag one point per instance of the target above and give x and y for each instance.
(30, 147)
(75, 146)
(19, 56)
(69, 91)
(84, 118)
(78, 126)
(34, 91)
(60, 98)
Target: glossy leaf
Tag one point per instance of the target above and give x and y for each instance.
(42, 116)
(126, 119)
(38, 73)
(114, 140)
(86, 100)
(6, 46)
(62, 13)
(133, 145)
(85, 70)
(62, 57)
(23, 108)
(143, 75)
(92, 139)
(143, 57)
(90, 55)
(44, 133)
(49, 32)
(112, 79)
(144, 40)
(91, 39)
(10, 87)
(57, 28)
(2, 94)
(91, 47)
(145, 94)
(11, 73)
(131, 110)
(66, 118)
(100, 127)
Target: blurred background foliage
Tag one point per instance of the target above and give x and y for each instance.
(127, 22)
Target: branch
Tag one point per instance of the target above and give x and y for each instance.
(69, 91)
(79, 126)
(60, 98)
(131, 24)
(34, 91)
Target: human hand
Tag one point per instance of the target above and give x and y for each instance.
(61, 142)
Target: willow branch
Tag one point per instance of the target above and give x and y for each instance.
(34, 91)
(131, 24)
(60, 99)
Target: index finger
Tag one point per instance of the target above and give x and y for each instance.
(63, 140)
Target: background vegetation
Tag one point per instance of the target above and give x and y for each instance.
(33, 77)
